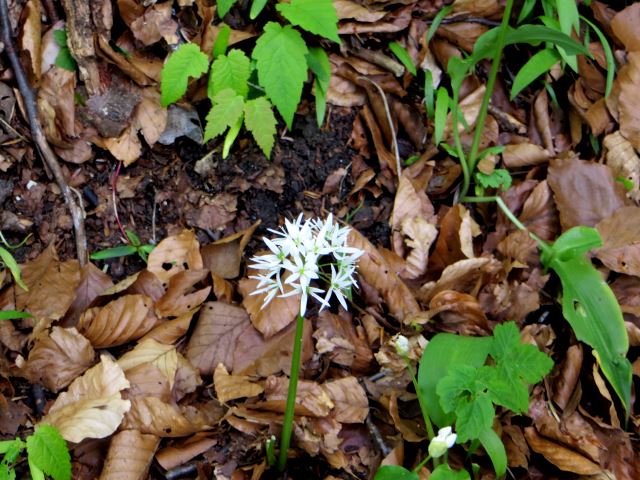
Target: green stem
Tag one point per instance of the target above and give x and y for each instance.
(289, 411)
(484, 106)
(503, 207)
(423, 407)
(422, 464)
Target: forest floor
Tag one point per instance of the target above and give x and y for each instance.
(186, 371)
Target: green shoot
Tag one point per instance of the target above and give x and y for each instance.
(135, 246)
(402, 54)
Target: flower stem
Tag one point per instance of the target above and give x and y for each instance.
(423, 408)
(287, 423)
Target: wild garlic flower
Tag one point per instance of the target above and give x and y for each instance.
(442, 442)
(310, 258)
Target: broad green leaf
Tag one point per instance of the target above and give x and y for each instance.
(187, 61)
(230, 71)
(493, 445)
(64, 59)
(499, 178)
(48, 451)
(13, 315)
(36, 473)
(315, 16)
(11, 448)
(227, 110)
(444, 472)
(222, 41)
(318, 61)
(590, 306)
(443, 352)
(395, 472)
(608, 55)
(537, 65)
(402, 54)
(527, 8)
(440, 117)
(133, 238)
(280, 55)
(568, 16)
(256, 8)
(6, 472)
(569, 59)
(224, 6)
(260, 121)
(121, 251)
(10, 263)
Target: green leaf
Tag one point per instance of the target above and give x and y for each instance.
(395, 472)
(260, 121)
(568, 16)
(608, 55)
(464, 392)
(13, 315)
(590, 306)
(187, 61)
(315, 16)
(443, 352)
(14, 268)
(440, 117)
(499, 178)
(527, 8)
(230, 71)
(537, 65)
(48, 451)
(64, 59)
(444, 472)
(493, 445)
(6, 472)
(222, 41)
(318, 61)
(11, 448)
(402, 54)
(134, 239)
(437, 20)
(224, 6)
(429, 94)
(226, 111)
(121, 251)
(280, 55)
(256, 8)
(36, 473)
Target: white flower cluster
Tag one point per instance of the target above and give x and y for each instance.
(442, 442)
(306, 252)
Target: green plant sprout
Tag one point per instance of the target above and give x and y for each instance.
(135, 246)
(7, 261)
(304, 257)
(243, 90)
(47, 454)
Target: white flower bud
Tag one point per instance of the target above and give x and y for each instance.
(443, 442)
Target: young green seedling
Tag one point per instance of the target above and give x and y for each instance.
(310, 259)
(135, 246)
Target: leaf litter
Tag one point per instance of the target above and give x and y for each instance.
(177, 366)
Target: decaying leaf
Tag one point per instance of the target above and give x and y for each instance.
(130, 455)
(180, 297)
(92, 407)
(621, 236)
(232, 387)
(174, 254)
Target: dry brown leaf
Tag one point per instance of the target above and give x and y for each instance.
(57, 105)
(563, 458)
(625, 27)
(148, 381)
(272, 318)
(628, 80)
(92, 406)
(214, 339)
(524, 154)
(154, 24)
(585, 192)
(623, 160)
(515, 444)
(177, 253)
(152, 415)
(180, 453)
(151, 351)
(231, 387)
(255, 355)
(52, 285)
(130, 455)
(55, 360)
(171, 331)
(120, 321)
(448, 248)
(180, 298)
(350, 400)
(374, 269)
(458, 312)
(410, 430)
(311, 398)
(149, 116)
(351, 9)
(93, 282)
(29, 39)
(223, 257)
(127, 147)
(621, 237)
(477, 8)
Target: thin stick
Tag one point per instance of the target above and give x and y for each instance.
(37, 134)
(114, 198)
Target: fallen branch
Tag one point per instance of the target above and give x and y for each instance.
(37, 134)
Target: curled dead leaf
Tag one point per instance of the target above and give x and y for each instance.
(271, 318)
(130, 455)
(232, 387)
(180, 297)
(175, 254)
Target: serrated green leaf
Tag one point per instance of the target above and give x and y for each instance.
(260, 121)
(230, 71)
(537, 65)
(224, 6)
(227, 110)
(444, 472)
(187, 61)
(443, 352)
(473, 417)
(402, 54)
(395, 472)
(315, 16)
(280, 55)
(36, 473)
(48, 451)
(590, 306)
(11, 448)
(499, 178)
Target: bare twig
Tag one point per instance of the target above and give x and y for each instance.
(37, 134)
(114, 198)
